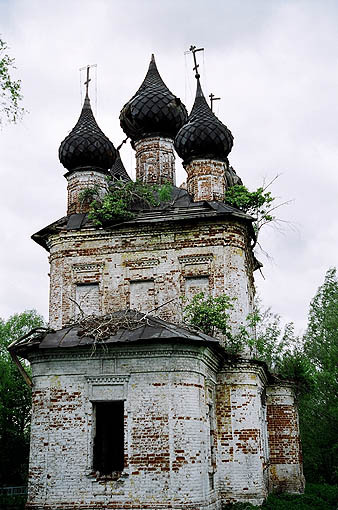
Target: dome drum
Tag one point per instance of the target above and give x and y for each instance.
(155, 160)
(206, 179)
(204, 144)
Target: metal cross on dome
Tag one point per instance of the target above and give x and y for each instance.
(88, 79)
(212, 99)
(194, 50)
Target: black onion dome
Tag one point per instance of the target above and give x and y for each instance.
(118, 171)
(86, 145)
(153, 110)
(203, 136)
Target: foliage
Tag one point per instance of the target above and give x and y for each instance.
(256, 203)
(208, 314)
(261, 335)
(319, 408)
(10, 90)
(15, 402)
(281, 350)
(211, 316)
(318, 497)
(89, 194)
(260, 203)
(122, 198)
(13, 502)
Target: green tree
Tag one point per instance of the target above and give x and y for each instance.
(15, 402)
(319, 408)
(209, 314)
(10, 89)
(262, 336)
(260, 204)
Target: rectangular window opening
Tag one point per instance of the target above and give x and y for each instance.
(196, 284)
(142, 295)
(108, 454)
(87, 299)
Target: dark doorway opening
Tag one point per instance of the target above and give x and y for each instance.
(109, 437)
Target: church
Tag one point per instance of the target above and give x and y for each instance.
(132, 409)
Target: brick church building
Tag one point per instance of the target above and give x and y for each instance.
(150, 414)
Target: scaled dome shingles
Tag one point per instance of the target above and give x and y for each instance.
(153, 110)
(118, 170)
(204, 135)
(86, 145)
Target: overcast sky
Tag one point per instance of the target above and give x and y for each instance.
(274, 63)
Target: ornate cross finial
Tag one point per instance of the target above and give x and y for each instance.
(88, 79)
(194, 50)
(212, 99)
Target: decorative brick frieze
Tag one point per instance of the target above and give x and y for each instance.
(206, 179)
(155, 160)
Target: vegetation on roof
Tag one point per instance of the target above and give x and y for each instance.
(260, 204)
(121, 200)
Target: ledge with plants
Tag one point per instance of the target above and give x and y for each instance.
(122, 200)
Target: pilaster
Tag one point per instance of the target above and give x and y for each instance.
(286, 468)
(241, 433)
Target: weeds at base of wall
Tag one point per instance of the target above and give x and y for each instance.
(12, 502)
(316, 497)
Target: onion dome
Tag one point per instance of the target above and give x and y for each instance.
(203, 136)
(86, 145)
(118, 171)
(153, 110)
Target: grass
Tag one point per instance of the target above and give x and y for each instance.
(12, 502)
(316, 497)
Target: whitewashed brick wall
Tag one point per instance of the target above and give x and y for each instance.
(160, 263)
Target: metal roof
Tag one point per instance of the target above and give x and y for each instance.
(180, 208)
(144, 329)
(204, 135)
(86, 145)
(153, 110)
